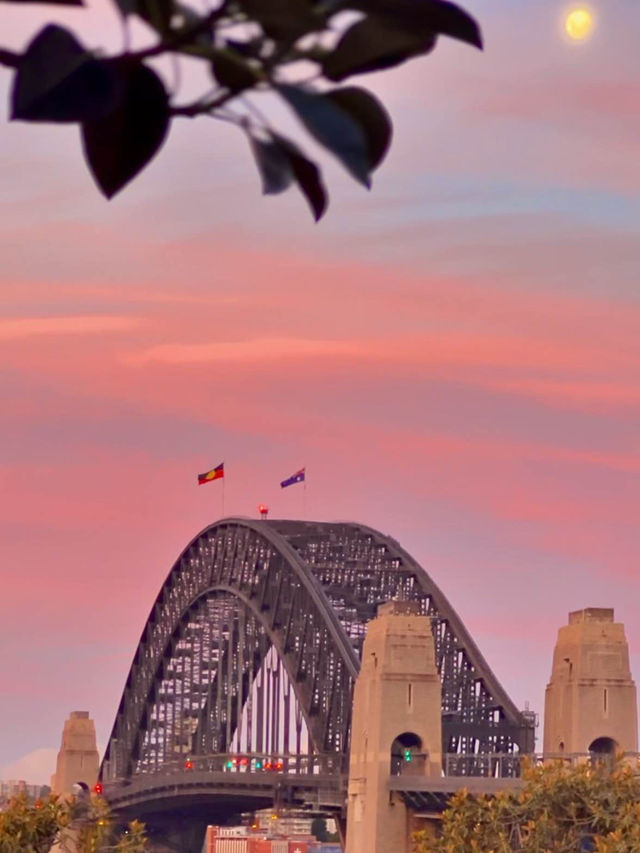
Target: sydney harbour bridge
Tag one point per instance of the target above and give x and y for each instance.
(239, 695)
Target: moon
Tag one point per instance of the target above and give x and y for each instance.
(579, 24)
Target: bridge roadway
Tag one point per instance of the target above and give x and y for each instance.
(222, 786)
(226, 785)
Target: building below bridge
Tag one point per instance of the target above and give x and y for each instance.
(282, 823)
(241, 839)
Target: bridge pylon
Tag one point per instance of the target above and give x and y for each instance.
(396, 726)
(78, 755)
(590, 703)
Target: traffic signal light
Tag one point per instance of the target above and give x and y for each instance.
(407, 755)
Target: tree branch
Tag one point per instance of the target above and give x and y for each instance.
(181, 37)
(9, 58)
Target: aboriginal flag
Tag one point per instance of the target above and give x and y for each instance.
(215, 474)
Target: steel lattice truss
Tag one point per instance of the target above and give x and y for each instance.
(253, 645)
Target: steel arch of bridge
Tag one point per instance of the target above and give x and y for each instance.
(302, 593)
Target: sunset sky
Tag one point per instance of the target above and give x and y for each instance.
(455, 357)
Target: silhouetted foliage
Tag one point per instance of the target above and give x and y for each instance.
(293, 48)
(590, 807)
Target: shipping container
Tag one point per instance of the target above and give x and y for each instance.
(280, 845)
(221, 840)
(231, 845)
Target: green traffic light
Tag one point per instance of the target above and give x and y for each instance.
(407, 755)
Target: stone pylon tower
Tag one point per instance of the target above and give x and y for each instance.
(78, 755)
(590, 704)
(396, 726)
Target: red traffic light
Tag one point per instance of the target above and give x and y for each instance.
(97, 788)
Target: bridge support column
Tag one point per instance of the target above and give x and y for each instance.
(78, 755)
(590, 703)
(396, 727)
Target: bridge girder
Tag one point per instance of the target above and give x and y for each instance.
(304, 590)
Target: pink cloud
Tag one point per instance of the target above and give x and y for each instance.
(16, 329)
(433, 348)
(557, 99)
(554, 350)
(252, 351)
(571, 393)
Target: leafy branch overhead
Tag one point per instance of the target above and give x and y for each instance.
(295, 49)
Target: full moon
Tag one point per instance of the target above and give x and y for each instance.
(579, 24)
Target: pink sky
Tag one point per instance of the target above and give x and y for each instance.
(454, 356)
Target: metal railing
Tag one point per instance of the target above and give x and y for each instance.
(501, 765)
(235, 763)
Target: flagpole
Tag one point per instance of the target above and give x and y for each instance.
(304, 495)
(223, 479)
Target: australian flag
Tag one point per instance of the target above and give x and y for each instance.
(298, 477)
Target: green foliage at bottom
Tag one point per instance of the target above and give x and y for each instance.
(74, 826)
(559, 809)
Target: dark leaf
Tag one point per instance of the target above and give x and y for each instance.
(284, 20)
(307, 176)
(372, 44)
(57, 80)
(370, 115)
(233, 72)
(425, 16)
(122, 143)
(273, 164)
(333, 127)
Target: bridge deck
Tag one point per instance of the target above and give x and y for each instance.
(247, 791)
(432, 794)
